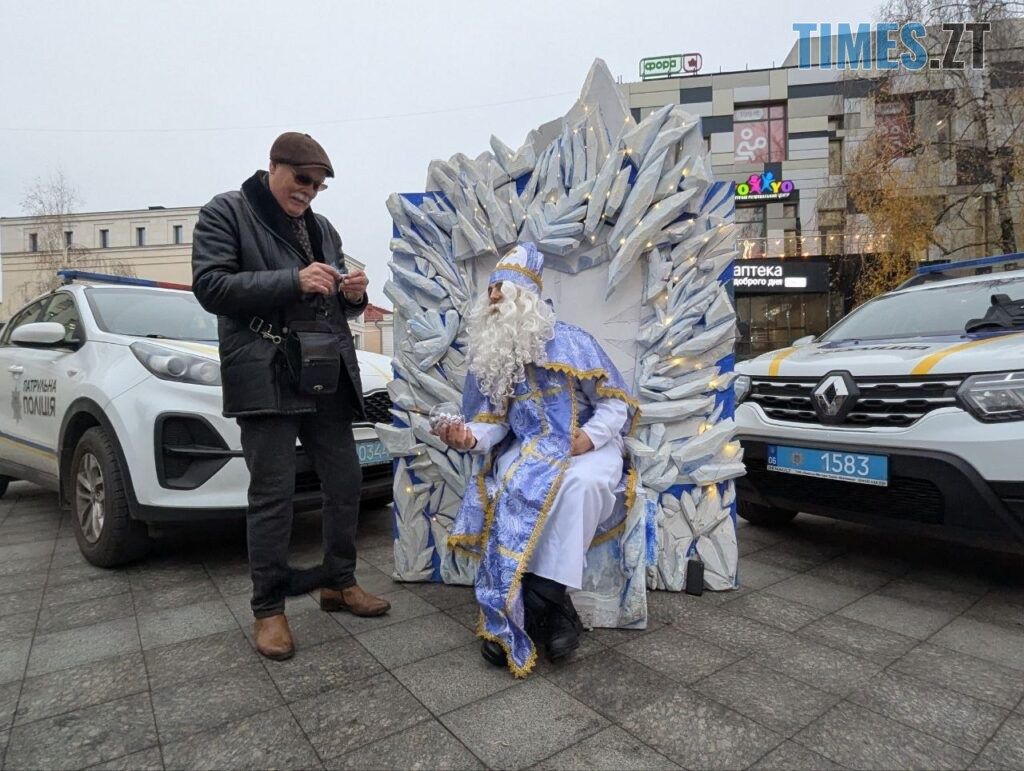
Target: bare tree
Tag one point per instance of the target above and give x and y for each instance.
(940, 173)
(53, 201)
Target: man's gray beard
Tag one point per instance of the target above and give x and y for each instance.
(500, 347)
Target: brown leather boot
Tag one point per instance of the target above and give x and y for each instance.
(353, 599)
(274, 638)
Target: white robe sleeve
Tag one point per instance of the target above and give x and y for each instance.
(487, 435)
(608, 419)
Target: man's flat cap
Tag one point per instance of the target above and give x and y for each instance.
(297, 149)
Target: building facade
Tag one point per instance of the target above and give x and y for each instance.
(153, 243)
(378, 330)
(784, 136)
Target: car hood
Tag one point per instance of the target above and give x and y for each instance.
(963, 354)
(374, 369)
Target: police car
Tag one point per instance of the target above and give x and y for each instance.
(907, 414)
(114, 401)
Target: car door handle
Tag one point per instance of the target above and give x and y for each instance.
(15, 369)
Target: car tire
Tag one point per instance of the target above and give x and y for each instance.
(764, 516)
(4, 482)
(106, 533)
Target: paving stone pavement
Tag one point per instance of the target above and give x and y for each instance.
(842, 649)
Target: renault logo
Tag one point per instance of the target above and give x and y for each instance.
(834, 397)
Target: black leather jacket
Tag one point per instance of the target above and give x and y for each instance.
(245, 264)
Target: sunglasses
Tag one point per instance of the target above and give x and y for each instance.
(307, 181)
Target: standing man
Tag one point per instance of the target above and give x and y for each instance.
(263, 261)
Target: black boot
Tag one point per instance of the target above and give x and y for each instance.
(565, 628)
(535, 609)
(493, 653)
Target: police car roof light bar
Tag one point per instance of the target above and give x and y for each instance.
(980, 262)
(69, 276)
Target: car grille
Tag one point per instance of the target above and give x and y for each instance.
(377, 407)
(883, 402)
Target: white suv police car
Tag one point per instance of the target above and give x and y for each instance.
(908, 414)
(115, 402)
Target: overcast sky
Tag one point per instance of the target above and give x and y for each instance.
(169, 103)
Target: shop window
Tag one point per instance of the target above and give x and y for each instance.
(760, 134)
(104, 239)
(140, 236)
(751, 231)
(33, 242)
(178, 231)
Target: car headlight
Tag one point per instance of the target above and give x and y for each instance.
(168, 364)
(994, 397)
(741, 387)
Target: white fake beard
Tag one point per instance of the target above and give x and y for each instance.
(505, 337)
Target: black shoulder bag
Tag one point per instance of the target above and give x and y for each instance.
(312, 354)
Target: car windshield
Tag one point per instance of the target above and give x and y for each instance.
(941, 310)
(147, 313)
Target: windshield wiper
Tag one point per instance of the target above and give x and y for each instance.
(1003, 313)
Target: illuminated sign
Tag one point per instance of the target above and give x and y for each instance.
(654, 67)
(764, 187)
(760, 276)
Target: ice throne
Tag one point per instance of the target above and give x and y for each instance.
(639, 248)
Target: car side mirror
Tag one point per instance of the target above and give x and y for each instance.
(805, 340)
(40, 333)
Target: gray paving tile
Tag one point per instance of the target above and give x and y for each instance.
(991, 642)
(415, 639)
(737, 634)
(824, 668)
(17, 627)
(790, 756)
(924, 593)
(896, 615)
(84, 737)
(696, 732)
(12, 537)
(22, 582)
(85, 589)
(967, 578)
(442, 596)
(858, 571)
(1006, 750)
(199, 658)
(864, 640)
(147, 760)
(317, 669)
(467, 614)
(380, 557)
(309, 627)
(82, 686)
(996, 610)
(56, 618)
(774, 611)
(404, 605)
(198, 705)
(9, 693)
(858, 738)
(453, 679)
(611, 749)
(376, 581)
(81, 645)
(947, 715)
(185, 623)
(352, 716)
(231, 582)
(269, 740)
(4, 738)
(797, 556)
(994, 683)
(775, 701)
(590, 645)
(30, 550)
(157, 573)
(24, 601)
(632, 686)
(816, 592)
(79, 572)
(612, 638)
(169, 597)
(13, 657)
(427, 745)
(755, 574)
(523, 725)
(19, 565)
(682, 657)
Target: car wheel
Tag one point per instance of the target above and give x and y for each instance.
(4, 481)
(765, 516)
(106, 533)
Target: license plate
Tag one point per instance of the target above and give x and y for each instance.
(371, 452)
(829, 464)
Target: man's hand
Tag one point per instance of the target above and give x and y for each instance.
(581, 442)
(317, 278)
(457, 436)
(354, 286)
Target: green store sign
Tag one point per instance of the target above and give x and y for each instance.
(661, 66)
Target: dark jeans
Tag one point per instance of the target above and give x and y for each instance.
(268, 443)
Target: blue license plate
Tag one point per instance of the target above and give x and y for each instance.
(372, 452)
(829, 464)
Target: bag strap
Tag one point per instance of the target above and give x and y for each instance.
(265, 330)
